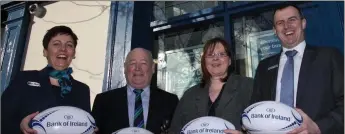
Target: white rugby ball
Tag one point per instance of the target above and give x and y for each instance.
(270, 117)
(63, 120)
(132, 130)
(207, 125)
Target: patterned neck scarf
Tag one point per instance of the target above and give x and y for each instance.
(63, 77)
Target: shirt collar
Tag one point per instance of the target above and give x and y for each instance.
(146, 90)
(299, 48)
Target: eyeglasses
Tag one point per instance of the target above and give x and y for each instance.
(219, 55)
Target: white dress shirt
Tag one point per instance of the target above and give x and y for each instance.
(297, 65)
(145, 99)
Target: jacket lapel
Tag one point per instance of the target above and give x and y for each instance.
(153, 105)
(308, 59)
(229, 91)
(46, 87)
(121, 99)
(201, 101)
(272, 73)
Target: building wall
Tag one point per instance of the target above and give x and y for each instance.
(181, 29)
(89, 20)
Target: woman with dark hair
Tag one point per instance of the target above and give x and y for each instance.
(221, 93)
(33, 91)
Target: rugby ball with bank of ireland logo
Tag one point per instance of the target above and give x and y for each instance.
(270, 117)
(63, 120)
(132, 130)
(207, 125)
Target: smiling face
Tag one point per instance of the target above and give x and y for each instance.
(139, 68)
(217, 61)
(289, 26)
(60, 51)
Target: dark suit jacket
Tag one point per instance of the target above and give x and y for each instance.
(320, 91)
(194, 103)
(20, 99)
(110, 110)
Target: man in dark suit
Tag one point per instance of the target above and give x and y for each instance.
(302, 76)
(137, 104)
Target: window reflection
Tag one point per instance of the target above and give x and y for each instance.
(164, 10)
(179, 56)
(254, 41)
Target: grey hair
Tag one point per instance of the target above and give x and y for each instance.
(145, 50)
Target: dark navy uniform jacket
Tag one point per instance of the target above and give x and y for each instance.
(31, 91)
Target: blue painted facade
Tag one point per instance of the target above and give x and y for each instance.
(325, 27)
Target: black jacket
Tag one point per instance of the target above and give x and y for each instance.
(110, 110)
(22, 98)
(320, 90)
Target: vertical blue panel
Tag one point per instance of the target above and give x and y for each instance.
(340, 7)
(228, 35)
(13, 41)
(142, 35)
(119, 44)
(324, 24)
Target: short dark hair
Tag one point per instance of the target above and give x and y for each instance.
(210, 45)
(288, 5)
(56, 31)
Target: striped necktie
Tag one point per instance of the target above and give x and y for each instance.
(138, 110)
(287, 80)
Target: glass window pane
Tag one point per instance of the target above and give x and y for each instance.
(254, 41)
(164, 10)
(179, 56)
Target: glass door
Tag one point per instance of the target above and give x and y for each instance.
(254, 41)
(179, 55)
